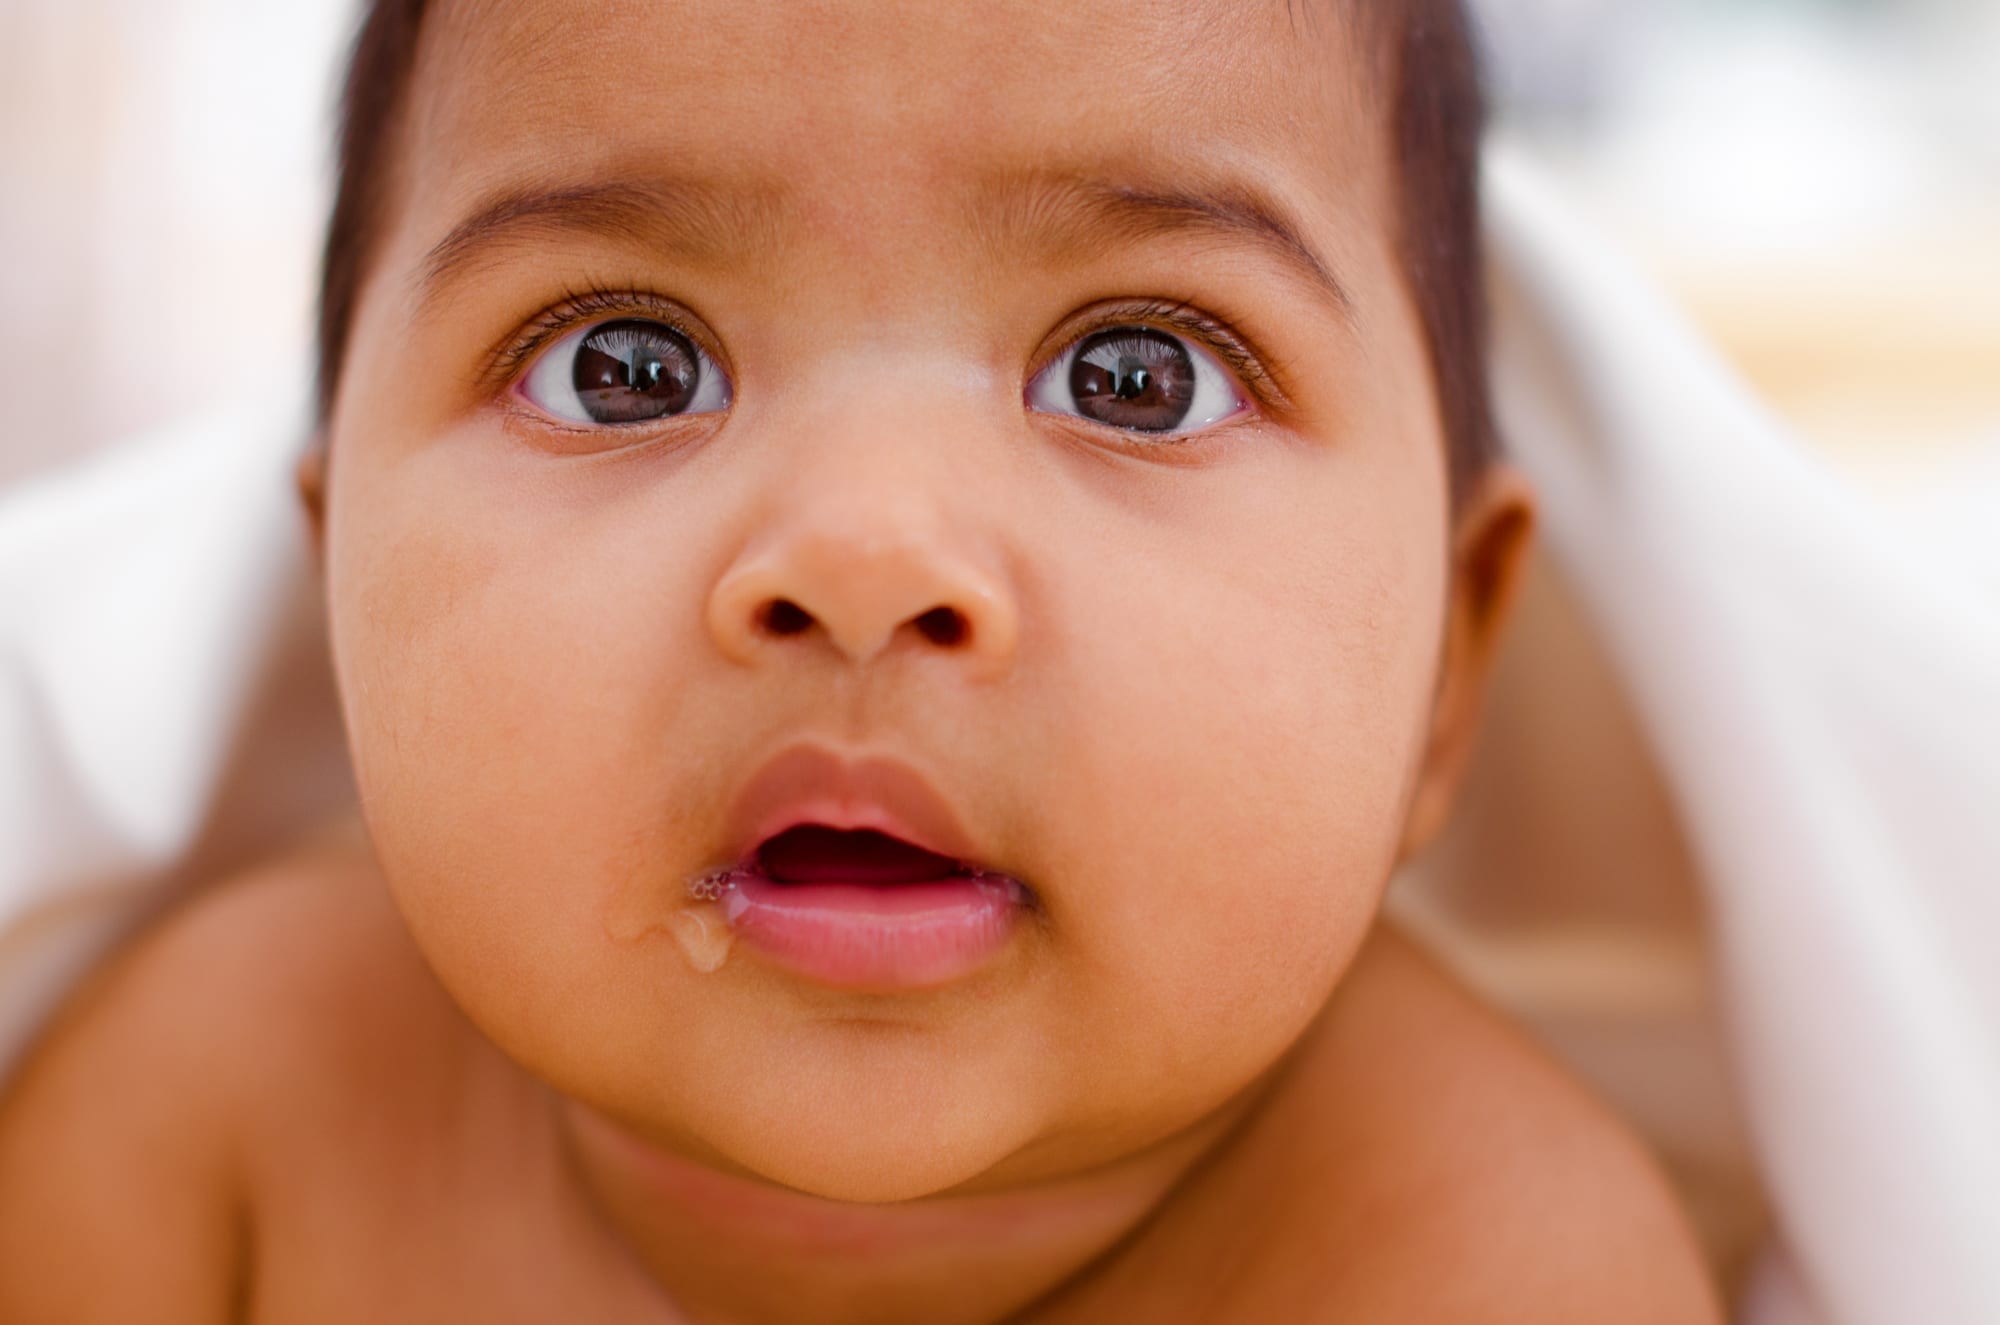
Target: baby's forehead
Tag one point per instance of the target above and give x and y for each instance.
(897, 91)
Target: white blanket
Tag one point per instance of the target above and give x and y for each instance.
(1820, 686)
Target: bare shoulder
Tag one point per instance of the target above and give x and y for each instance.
(1438, 1167)
(131, 1137)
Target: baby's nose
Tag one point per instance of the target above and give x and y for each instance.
(862, 580)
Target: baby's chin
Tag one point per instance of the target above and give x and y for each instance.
(873, 1156)
(876, 1167)
(862, 1112)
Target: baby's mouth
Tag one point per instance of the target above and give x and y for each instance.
(860, 909)
(810, 853)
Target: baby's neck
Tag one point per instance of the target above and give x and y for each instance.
(730, 1248)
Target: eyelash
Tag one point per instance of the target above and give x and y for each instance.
(592, 303)
(1183, 317)
(595, 302)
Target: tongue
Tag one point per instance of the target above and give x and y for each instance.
(812, 854)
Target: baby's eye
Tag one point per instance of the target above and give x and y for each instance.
(1140, 379)
(628, 371)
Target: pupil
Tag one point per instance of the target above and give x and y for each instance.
(628, 372)
(1134, 378)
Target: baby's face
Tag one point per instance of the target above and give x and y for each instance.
(1024, 392)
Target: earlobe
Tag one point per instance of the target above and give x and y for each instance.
(1491, 549)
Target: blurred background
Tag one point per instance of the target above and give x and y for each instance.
(1817, 182)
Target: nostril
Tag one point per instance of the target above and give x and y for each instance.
(943, 625)
(783, 617)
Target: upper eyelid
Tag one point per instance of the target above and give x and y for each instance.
(582, 310)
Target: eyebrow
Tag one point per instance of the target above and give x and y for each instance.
(697, 221)
(1067, 213)
(705, 223)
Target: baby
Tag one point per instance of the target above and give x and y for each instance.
(901, 578)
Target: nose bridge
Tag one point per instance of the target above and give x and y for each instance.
(873, 537)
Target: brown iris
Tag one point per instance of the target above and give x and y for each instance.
(1133, 377)
(626, 372)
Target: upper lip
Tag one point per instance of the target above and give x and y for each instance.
(810, 784)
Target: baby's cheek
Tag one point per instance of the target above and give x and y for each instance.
(507, 715)
(1241, 809)
(1257, 880)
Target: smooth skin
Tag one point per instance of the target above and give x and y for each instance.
(1209, 692)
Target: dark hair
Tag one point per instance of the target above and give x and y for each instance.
(1440, 120)
(1432, 81)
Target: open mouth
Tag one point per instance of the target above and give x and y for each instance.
(861, 909)
(811, 853)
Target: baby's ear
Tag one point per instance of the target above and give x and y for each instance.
(1490, 551)
(310, 476)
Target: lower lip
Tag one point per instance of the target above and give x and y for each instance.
(877, 936)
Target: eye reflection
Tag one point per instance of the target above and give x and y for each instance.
(1138, 379)
(623, 372)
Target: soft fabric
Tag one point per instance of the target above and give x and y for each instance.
(1818, 685)
(166, 710)
(1821, 687)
